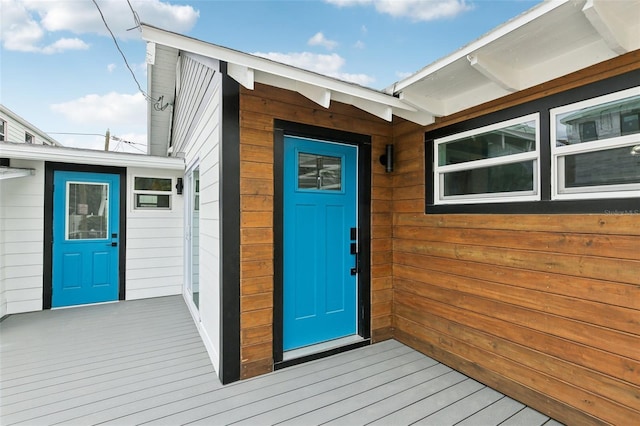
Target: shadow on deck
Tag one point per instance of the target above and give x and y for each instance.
(143, 361)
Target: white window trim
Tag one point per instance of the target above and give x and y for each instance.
(4, 130)
(558, 192)
(503, 197)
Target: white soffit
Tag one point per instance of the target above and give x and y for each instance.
(553, 39)
(248, 69)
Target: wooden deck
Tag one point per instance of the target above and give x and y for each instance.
(142, 361)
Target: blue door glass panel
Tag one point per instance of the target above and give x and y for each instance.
(320, 194)
(85, 238)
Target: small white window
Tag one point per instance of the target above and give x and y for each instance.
(595, 148)
(496, 163)
(3, 130)
(28, 138)
(152, 193)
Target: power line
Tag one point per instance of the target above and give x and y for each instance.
(115, 41)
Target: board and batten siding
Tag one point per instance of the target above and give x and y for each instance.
(21, 240)
(258, 110)
(197, 136)
(545, 308)
(154, 250)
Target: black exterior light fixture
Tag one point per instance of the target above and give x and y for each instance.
(179, 186)
(386, 159)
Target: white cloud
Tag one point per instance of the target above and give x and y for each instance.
(65, 44)
(359, 44)
(329, 65)
(113, 110)
(416, 10)
(320, 40)
(111, 67)
(26, 23)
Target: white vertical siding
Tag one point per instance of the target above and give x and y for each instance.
(21, 240)
(154, 242)
(197, 133)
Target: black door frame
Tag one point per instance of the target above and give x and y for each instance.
(363, 142)
(47, 273)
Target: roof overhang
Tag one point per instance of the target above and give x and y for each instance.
(22, 151)
(249, 69)
(551, 40)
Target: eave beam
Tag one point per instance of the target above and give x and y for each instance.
(497, 73)
(243, 75)
(15, 172)
(432, 106)
(317, 94)
(614, 33)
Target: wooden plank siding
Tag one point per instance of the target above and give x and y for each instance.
(545, 308)
(258, 110)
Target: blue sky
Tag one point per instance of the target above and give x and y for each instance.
(60, 69)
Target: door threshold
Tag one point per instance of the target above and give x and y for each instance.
(321, 350)
(83, 305)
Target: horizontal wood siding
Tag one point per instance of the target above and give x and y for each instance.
(21, 240)
(546, 308)
(154, 242)
(258, 109)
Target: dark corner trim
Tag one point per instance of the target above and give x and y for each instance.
(230, 230)
(289, 128)
(543, 107)
(49, 168)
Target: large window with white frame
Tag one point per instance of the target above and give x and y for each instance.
(491, 164)
(595, 147)
(3, 130)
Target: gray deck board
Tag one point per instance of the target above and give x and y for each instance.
(142, 362)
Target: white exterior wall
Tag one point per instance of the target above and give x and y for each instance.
(21, 240)
(197, 134)
(154, 242)
(154, 251)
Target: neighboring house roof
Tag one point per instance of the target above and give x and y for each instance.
(6, 112)
(551, 40)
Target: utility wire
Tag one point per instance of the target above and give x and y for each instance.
(147, 97)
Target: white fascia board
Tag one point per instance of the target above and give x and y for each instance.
(88, 156)
(497, 73)
(494, 35)
(257, 63)
(615, 34)
(243, 75)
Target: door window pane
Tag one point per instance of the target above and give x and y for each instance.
(319, 172)
(87, 211)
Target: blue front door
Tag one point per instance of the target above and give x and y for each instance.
(319, 288)
(85, 238)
